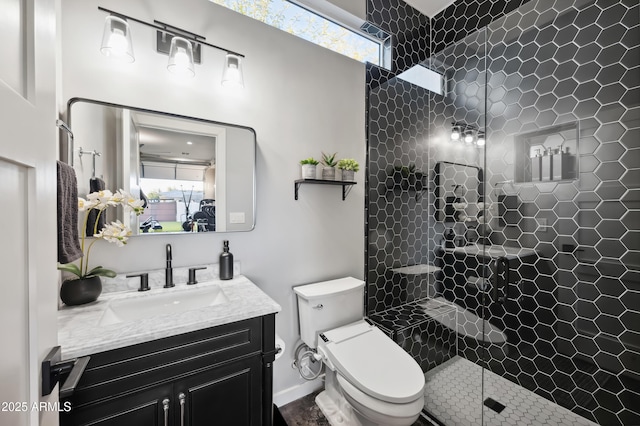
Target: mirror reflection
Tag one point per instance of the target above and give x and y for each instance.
(195, 175)
(458, 192)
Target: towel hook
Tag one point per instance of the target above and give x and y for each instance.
(93, 154)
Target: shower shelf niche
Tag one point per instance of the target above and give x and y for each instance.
(547, 155)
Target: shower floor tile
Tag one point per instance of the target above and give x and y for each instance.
(453, 393)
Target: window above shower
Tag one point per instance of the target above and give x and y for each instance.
(365, 44)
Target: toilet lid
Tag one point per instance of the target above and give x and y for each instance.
(376, 364)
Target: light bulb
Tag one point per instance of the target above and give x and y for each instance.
(117, 42)
(481, 141)
(468, 136)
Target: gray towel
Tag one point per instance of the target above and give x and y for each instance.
(68, 244)
(95, 185)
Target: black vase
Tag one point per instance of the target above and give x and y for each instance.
(80, 291)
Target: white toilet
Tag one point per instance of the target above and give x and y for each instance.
(369, 379)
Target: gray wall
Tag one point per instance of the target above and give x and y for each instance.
(300, 98)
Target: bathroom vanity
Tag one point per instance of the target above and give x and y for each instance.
(189, 366)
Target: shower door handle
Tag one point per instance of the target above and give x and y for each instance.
(501, 279)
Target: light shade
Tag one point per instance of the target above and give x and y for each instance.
(232, 72)
(468, 136)
(455, 133)
(181, 57)
(481, 140)
(116, 39)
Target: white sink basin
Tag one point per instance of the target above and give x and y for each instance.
(497, 251)
(162, 303)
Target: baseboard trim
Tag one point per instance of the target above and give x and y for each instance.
(296, 392)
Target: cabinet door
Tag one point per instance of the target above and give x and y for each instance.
(151, 407)
(227, 395)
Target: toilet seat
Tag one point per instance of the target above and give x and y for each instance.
(381, 412)
(373, 363)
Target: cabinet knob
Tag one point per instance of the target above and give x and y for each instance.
(182, 397)
(165, 407)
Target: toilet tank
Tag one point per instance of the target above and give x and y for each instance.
(326, 305)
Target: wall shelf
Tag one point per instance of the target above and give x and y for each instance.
(346, 185)
(417, 270)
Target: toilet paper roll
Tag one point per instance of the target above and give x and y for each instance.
(280, 347)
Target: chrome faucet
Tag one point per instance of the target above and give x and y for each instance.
(168, 270)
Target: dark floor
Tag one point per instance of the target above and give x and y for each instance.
(305, 412)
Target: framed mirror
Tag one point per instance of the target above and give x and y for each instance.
(458, 192)
(195, 175)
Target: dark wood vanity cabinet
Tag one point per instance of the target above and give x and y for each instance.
(220, 375)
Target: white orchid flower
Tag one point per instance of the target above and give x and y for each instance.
(102, 198)
(119, 196)
(84, 205)
(115, 232)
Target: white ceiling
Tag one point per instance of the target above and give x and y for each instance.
(430, 7)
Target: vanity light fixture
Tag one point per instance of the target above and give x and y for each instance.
(183, 47)
(116, 39)
(468, 133)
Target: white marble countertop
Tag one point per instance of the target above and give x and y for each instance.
(80, 332)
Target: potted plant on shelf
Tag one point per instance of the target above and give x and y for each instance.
(349, 167)
(329, 170)
(406, 177)
(309, 168)
(86, 286)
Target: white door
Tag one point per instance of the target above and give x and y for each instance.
(28, 277)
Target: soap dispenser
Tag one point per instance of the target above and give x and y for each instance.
(226, 262)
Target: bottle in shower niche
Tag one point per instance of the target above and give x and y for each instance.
(545, 171)
(226, 262)
(536, 167)
(558, 163)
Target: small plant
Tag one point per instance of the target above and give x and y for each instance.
(406, 170)
(329, 160)
(310, 161)
(348, 164)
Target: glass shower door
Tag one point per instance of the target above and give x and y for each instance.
(455, 391)
(561, 188)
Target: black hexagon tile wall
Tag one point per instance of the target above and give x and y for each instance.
(533, 75)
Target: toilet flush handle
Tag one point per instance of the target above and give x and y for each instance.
(318, 306)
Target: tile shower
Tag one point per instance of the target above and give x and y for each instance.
(532, 75)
